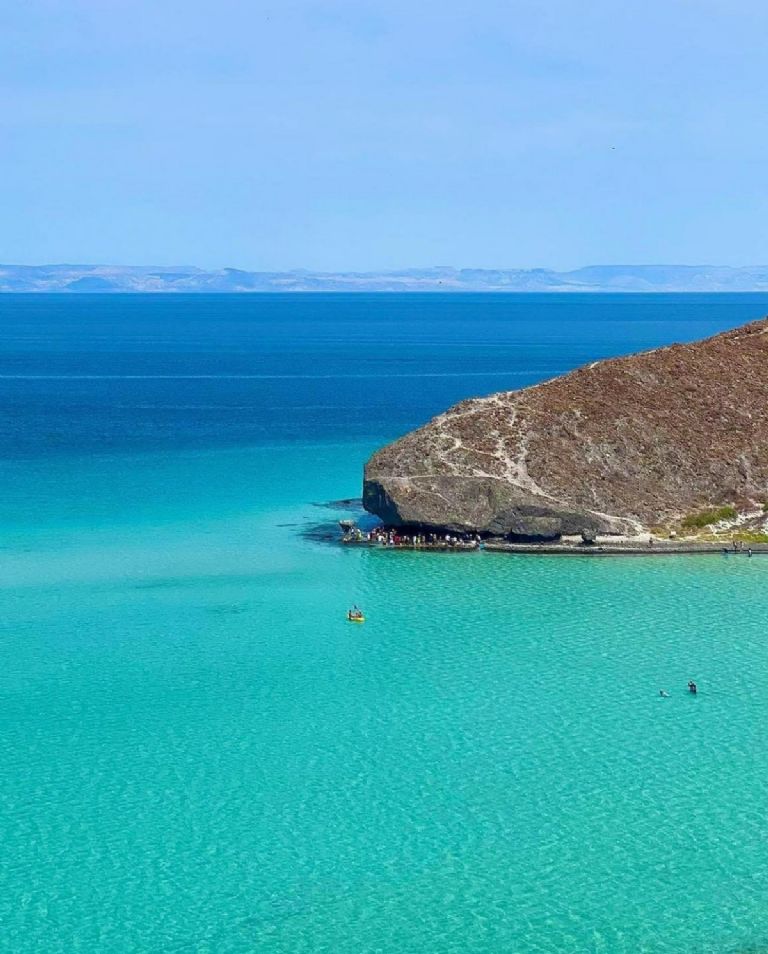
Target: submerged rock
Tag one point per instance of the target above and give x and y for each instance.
(612, 447)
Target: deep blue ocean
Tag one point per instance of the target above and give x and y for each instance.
(201, 755)
(85, 374)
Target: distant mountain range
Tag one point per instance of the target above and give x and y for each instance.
(594, 278)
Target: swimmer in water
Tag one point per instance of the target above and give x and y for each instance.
(692, 687)
(663, 693)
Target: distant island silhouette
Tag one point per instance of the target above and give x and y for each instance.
(190, 279)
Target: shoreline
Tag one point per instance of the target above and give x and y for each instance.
(598, 549)
(627, 549)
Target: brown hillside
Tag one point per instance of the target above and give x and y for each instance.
(614, 445)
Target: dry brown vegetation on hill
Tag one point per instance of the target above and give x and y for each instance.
(616, 445)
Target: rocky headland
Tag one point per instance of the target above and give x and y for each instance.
(651, 440)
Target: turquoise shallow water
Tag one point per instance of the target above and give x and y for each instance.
(201, 755)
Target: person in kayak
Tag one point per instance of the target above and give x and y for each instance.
(355, 613)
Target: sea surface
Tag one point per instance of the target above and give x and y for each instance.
(199, 754)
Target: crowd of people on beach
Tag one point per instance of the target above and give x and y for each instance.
(398, 537)
(381, 536)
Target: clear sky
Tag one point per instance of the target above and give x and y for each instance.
(347, 134)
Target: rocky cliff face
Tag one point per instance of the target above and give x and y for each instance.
(612, 447)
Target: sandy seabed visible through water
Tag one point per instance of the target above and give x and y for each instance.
(202, 754)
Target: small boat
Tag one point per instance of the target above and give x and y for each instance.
(355, 617)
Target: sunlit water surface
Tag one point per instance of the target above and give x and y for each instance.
(201, 755)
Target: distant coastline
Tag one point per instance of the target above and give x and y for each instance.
(105, 279)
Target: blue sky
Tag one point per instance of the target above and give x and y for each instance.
(361, 135)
